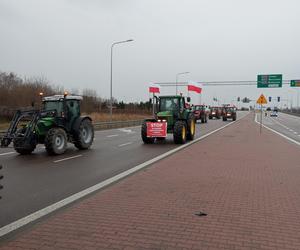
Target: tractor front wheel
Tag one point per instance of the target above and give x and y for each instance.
(180, 132)
(85, 135)
(56, 141)
(22, 146)
(146, 140)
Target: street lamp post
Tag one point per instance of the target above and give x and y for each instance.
(111, 72)
(182, 73)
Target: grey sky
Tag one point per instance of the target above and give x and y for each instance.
(68, 42)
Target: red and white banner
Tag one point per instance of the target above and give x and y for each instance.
(195, 86)
(157, 129)
(154, 88)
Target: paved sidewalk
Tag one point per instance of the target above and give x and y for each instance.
(249, 186)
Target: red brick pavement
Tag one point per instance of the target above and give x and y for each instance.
(249, 186)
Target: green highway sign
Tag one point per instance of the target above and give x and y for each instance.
(295, 83)
(269, 81)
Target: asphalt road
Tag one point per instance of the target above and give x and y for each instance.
(285, 124)
(35, 181)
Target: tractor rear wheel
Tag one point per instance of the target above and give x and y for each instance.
(85, 135)
(146, 140)
(56, 141)
(179, 133)
(20, 144)
(191, 128)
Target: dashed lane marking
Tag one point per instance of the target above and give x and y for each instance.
(68, 158)
(125, 144)
(8, 153)
(109, 136)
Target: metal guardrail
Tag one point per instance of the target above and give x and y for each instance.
(116, 124)
(106, 125)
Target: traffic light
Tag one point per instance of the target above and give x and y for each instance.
(1, 177)
(278, 98)
(270, 98)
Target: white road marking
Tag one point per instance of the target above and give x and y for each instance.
(68, 158)
(128, 131)
(125, 144)
(274, 131)
(8, 153)
(53, 207)
(109, 136)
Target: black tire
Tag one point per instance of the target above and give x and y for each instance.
(202, 120)
(224, 119)
(22, 148)
(84, 137)
(234, 118)
(210, 117)
(191, 130)
(56, 141)
(180, 132)
(146, 140)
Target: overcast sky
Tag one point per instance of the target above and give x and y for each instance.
(68, 42)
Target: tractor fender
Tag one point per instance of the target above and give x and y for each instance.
(78, 121)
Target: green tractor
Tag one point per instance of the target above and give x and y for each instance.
(172, 116)
(54, 125)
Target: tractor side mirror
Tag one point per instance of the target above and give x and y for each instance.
(188, 99)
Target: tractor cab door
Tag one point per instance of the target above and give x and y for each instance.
(73, 111)
(182, 105)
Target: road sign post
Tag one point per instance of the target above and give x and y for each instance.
(261, 100)
(269, 81)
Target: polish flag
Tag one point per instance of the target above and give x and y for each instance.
(194, 86)
(154, 88)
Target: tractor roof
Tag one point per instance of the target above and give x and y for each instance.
(60, 97)
(170, 96)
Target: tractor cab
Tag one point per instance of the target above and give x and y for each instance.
(64, 108)
(171, 104)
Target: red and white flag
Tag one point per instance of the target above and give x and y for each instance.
(195, 86)
(154, 88)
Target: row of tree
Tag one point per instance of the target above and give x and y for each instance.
(17, 92)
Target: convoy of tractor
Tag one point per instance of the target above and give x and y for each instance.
(59, 122)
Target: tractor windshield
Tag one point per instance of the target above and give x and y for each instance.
(53, 105)
(169, 104)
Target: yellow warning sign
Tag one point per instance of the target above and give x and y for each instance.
(262, 100)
